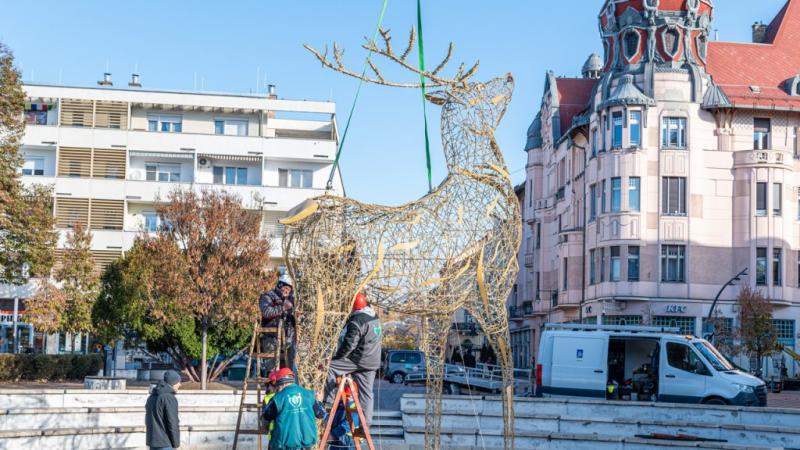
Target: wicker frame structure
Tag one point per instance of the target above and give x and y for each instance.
(453, 248)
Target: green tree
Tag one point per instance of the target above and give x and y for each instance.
(192, 290)
(66, 306)
(756, 332)
(26, 220)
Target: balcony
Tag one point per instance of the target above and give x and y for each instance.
(529, 259)
(466, 328)
(560, 194)
(763, 158)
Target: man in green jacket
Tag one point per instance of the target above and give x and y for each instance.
(293, 412)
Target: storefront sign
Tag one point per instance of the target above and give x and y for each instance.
(679, 309)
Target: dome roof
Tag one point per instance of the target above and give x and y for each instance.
(593, 63)
(535, 133)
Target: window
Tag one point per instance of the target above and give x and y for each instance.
(602, 265)
(617, 130)
(761, 199)
(538, 235)
(795, 143)
(565, 282)
(33, 166)
(151, 221)
(684, 324)
(295, 178)
(761, 129)
(616, 194)
(673, 263)
(594, 142)
(673, 133)
(634, 193)
(230, 175)
(784, 331)
(631, 43)
(616, 264)
(673, 196)
(777, 198)
(592, 203)
(36, 113)
(622, 320)
(672, 41)
(761, 266)
(635, 128)
(592, 267)
(777, 265)
(231, 127)
(162, 172)
(603, 197)
(164, 123)
(682, 357)
(633, 263)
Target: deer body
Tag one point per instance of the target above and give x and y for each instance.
(453, 248)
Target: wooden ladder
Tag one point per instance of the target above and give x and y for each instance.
(258, 379)
(347, 389)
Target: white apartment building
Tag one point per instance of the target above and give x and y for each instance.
(664, 171)
(111, 153)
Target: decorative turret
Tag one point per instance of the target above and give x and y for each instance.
(593, 67)
(665, 32)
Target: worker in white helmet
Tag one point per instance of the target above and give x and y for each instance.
(277, 305)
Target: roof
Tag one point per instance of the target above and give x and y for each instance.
(573, 96)
(738, 68)
(627, 93)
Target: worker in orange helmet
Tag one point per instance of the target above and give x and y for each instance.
(358, 354)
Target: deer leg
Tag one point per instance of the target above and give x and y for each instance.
(434, 341)
(494, 323)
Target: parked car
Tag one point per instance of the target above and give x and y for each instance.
(401, 363)
(651, 363)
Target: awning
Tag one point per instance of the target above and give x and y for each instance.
(168, 155)
(245, 158)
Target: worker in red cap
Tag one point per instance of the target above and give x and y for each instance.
(292, 413)
(359, 354)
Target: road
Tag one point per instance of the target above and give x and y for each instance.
(387, 395)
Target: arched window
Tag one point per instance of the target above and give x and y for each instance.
(672, 41)
(702, 46)
(631, 40)
(606, 52)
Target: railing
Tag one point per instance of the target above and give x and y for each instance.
(529, 258)
(761, 157)
(560, 194)
(468, 328)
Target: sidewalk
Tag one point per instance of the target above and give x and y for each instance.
(786, 399)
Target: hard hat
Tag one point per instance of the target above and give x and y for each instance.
(285, 280)
(285, 375)
(360, 302)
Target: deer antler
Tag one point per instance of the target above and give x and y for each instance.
(461, 77)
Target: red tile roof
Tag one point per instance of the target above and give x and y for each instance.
(573, 98)
(736, 67)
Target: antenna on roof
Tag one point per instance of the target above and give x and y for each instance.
(716, 34)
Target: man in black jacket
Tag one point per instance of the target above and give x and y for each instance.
(161, 416)
(277, 305)
(359, 354)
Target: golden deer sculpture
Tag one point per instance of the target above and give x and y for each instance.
(453, 248)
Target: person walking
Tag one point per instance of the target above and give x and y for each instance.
(292, 413)
(161, 414)
(359, 354)
(277, 305)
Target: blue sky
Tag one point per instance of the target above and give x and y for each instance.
(223, 45)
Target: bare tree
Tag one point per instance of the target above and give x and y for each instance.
(756, 330)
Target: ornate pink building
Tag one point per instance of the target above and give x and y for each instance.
(664, 171)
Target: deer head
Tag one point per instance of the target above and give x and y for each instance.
(467, 107)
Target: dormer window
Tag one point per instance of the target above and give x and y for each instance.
(792, 86)
(702, 46)
(672, 41)
(631, 43)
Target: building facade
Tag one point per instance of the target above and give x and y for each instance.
(112, 153)
(670, 166)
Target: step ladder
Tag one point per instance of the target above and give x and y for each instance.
(258, 379)
(347, 389)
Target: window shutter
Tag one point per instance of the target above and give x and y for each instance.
(76, 113)
(108, 163)
(74, 162)
(107, 214)
(69, 211)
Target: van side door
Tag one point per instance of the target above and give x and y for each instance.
(682, 373)
(579, 366)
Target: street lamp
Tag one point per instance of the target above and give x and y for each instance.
(708, 327)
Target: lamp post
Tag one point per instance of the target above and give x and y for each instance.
(708, 328)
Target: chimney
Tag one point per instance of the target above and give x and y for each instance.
(271, 91)
(135, 81)
(106, 80)
(759, 33)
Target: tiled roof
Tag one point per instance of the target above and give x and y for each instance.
(573, 98)
(753, 75)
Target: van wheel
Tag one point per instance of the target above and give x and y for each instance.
(714, 401)
(398, 378)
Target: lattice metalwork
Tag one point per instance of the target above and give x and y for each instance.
(454, 248)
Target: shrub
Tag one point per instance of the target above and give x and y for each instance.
(29, 367)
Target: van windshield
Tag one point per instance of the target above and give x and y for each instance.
(713, 356)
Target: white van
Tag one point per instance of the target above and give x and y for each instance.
(641, 363)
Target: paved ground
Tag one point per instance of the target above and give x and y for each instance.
(387, 395)
(786, 399)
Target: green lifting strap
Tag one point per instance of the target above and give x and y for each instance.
(421, 51)
(329, 185)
